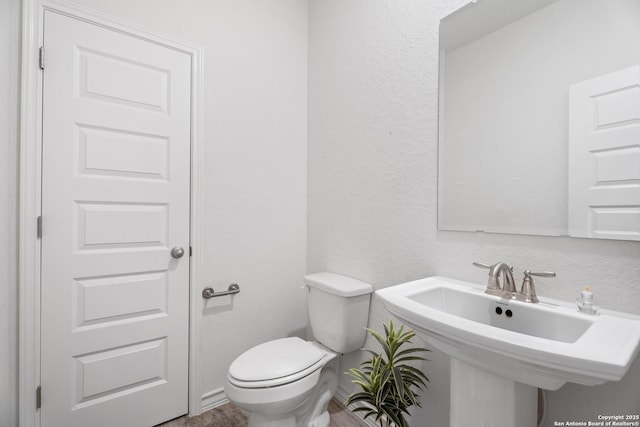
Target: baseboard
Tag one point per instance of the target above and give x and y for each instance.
(213, 399)
(341, 396)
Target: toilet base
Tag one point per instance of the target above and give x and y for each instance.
(322, 421)
(258, 420)
(316, 414)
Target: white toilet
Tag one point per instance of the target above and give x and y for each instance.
(289, 382)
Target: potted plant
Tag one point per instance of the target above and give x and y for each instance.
(388, 381)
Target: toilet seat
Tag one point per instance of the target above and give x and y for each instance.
(275, 363)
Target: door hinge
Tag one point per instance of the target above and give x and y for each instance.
(41, 57)
(38, 397)
(39, 227)
(190, 251)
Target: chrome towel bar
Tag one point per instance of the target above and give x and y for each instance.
(208, 292)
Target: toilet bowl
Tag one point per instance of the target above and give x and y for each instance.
(288, 394)
(288, 382)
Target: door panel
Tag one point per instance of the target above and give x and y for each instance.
(604, 156)
(117, 299)
(123, 154)
(121, 81)
(116, 171)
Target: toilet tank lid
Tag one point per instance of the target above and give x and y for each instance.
(337, 285)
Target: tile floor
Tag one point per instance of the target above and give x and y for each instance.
(229, 415)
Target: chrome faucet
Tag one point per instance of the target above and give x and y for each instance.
(500, 281)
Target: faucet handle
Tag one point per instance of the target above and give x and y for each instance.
(482, 265)
(528, 291)
(540, 273)
(493, 286)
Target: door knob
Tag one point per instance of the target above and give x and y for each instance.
(177, 252)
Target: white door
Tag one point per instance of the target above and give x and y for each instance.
(115, 201)
(604, 156)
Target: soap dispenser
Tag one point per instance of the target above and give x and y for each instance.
(585, 302)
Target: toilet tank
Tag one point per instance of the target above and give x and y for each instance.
(338, 310)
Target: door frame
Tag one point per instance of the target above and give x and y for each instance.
(30, 196)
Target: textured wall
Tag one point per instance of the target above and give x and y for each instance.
(373, 184)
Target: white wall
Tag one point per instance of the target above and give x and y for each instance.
(9, 93)
(373, 85)
(254, 170)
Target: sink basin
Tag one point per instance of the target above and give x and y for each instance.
(541, 320)
(542, 345)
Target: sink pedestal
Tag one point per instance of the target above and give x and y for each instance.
(481, 399)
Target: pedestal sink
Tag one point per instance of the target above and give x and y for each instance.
(502, 349)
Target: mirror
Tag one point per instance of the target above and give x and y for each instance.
(520, 107)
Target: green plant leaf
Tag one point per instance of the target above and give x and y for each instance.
(399, 381)
(387, 379)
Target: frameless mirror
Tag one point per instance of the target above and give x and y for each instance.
(539, 118)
